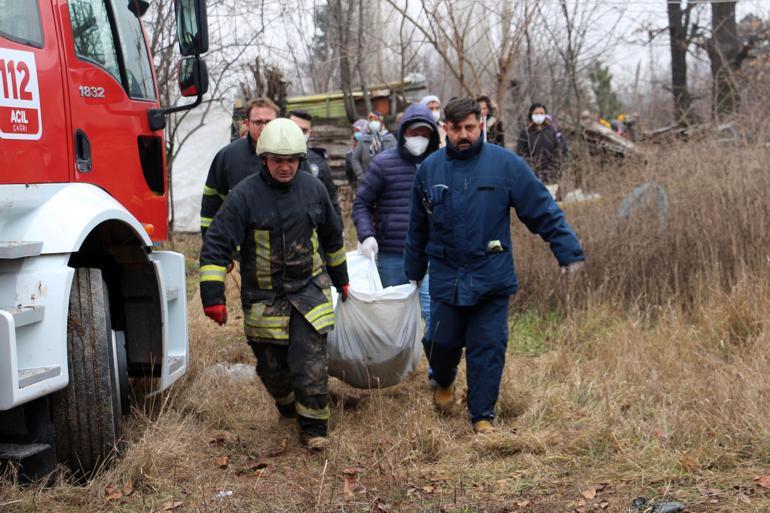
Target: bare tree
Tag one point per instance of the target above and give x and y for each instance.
(568, 29)
(678, 27)
(446, 27)
(360, 54)
(226, 50)
(340, 19)
(725, 56)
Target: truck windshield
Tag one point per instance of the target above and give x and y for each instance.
(20, 22)
(135, 57)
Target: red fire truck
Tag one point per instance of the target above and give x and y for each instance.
(86, 300)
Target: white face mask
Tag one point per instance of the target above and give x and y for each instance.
(374, 126)
(416, 145)
(436, 115)
(307, 137)
(538, 119)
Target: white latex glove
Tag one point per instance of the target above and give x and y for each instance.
(369, 247)
(573, 267)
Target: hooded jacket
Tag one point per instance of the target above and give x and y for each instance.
(381, 207)
(460, 221)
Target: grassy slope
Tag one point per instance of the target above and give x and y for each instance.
(648, 375)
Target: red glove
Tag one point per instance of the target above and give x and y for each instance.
(344, 292)
(218, 313)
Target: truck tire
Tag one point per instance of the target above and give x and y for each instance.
(86, 414)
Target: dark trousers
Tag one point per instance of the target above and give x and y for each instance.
(296, 374)
(482, 329)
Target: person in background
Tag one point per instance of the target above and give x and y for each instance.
(283, 222)
(434, 104)
(358, 128)
(460, 223)
(494, 131)
(375, 140)
(316, 162)
(542, 145)
(235, 161)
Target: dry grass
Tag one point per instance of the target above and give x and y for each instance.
(650, 373)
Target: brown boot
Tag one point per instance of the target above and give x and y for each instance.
(444, 398)
(315, 443)
(484, 427)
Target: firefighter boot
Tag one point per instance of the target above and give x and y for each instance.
(444, 398)
(483, 427)
(313, 433)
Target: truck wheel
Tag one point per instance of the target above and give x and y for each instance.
(86, 413)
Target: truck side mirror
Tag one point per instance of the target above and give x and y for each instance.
(193, 76)
(192, 26)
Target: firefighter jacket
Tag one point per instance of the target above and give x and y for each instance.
(238, 160)
(231, 164)
(282, 230)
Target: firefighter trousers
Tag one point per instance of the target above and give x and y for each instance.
(296, 374)
(483, 330)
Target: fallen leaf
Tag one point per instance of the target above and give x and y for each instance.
(252, 464)
(382, 508)
(110, 489)
(589, 494)
(114, 496)
(744, 498)
(128, 488)
(523, 504)
(222, 461)
(218, 440)
(604, 504)
(689, 463)
(350, 487)
(171, 505)
(763, 481)
(277, 451)
(352, 471)
(601, 486)
(708, 492)
(428, 489)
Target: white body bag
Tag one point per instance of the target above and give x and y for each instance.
(376, 341)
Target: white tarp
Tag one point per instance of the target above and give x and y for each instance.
(193, 160)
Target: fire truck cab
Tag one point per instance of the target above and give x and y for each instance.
(86, 300)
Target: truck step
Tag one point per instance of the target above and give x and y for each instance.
(172, 294)
(21, 451)
(26, 315)
(174, 363)
(29, 377)
(11, 249)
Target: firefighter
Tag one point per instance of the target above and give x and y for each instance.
(235, 161)
(285, 225)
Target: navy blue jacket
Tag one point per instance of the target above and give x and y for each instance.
(460, 221)
(381, 207)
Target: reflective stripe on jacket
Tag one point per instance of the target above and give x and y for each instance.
(282, 229)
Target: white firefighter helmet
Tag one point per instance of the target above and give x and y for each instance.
(282, 137)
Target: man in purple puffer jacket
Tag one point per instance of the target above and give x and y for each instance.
(381, 207)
